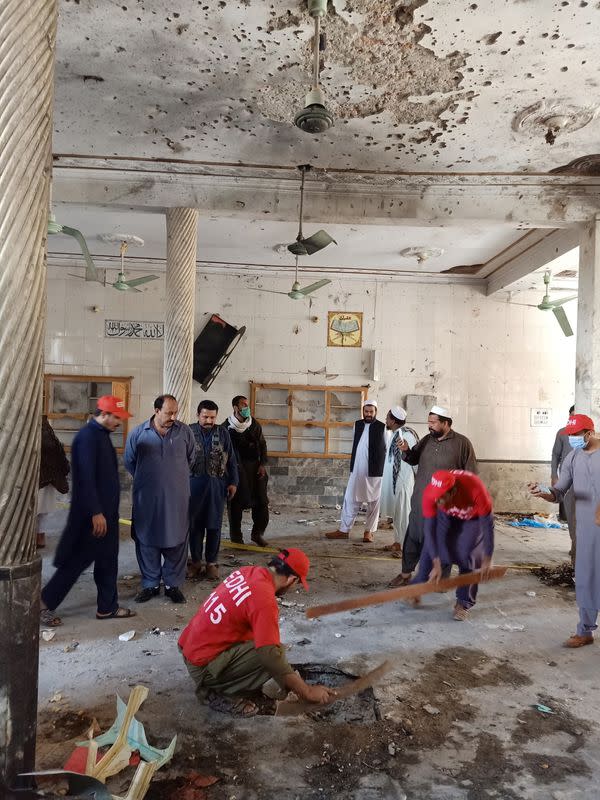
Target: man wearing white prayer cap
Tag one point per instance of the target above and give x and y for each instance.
(366, 471)
(398, 478)
(442, 448)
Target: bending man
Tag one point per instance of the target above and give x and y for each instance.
(232, 647)
(459, 529)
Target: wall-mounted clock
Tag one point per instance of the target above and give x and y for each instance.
(344, 329)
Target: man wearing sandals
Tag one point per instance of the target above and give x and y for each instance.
(366, 472)
(91, 535)
(459, 529)
(232, 646)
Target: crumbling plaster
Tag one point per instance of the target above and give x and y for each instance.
(415, 85)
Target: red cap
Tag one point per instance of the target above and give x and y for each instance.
(578, 423)
(298, 562)
(113, 405)
(441, 481)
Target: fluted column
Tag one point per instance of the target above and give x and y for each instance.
(27, 48)
(182, 242)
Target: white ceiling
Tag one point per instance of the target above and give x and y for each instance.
(249, 242)
(151, 90)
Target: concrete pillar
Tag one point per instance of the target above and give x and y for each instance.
(28, 35)
(182, 241)
(587, 365)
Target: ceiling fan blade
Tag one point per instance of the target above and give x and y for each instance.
(314, 286)
(556, 303)
(317, 242)
(268, 291)
(564, 323)
(298, 248)
(122, 286)
(91, 273)
(140, 281)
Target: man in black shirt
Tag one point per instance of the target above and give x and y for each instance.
(251, 450)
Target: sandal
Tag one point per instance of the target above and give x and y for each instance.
(120, 613)
(49, 618)
(237, 707)
(368, 537)
(460, 613)
(399, 581)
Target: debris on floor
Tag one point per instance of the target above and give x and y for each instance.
(561, 575)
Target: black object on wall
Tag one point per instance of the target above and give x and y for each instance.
(216, 342)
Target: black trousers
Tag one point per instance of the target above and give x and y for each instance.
(411, 549)
(253, 496)
(104, 555)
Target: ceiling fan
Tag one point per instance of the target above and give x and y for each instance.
(315, 117)
(296, 292)
(556, 306)
(122, 284)
(312, 244)
(54, 227)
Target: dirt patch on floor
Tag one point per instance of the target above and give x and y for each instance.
(492, 766)
(562, 575)
(548, 768)
(64, 724)
(533, 724)
(435, 702)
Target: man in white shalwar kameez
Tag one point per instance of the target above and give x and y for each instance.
(366, 471)
(398, 478)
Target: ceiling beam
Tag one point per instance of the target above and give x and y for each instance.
(516, 201)
(531, 252)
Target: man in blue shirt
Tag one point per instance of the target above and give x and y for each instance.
(159, 454)
(91, 535)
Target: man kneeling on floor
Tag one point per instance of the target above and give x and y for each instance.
(459, 529)
(232, 646)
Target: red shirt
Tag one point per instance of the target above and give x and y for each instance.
(471, 500)
(241, 609)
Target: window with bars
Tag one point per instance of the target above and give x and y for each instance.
(307, 421)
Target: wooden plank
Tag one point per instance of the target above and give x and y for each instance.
(291, 708)
(403, 593)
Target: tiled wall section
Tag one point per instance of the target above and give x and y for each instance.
(487, 360)
(321, 482)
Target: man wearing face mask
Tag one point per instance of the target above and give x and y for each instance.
(232, 647)
(251, 451)
(213, 477)
(581, 471)
(442, 448)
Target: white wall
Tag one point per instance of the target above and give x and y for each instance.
(487, 360)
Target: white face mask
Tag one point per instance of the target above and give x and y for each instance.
(577, 442)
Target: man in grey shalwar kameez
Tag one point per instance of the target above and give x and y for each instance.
(442, 448)
(560, 451)
(159, 454)
(581, 470)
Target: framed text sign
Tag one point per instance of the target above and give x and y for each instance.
(128, 329)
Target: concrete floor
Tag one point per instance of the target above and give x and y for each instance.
(480, 736)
